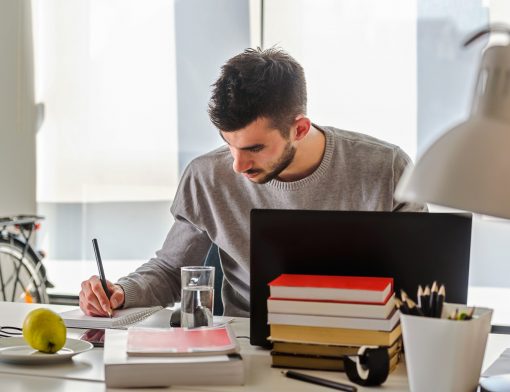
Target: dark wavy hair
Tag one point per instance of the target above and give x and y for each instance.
(258, 83)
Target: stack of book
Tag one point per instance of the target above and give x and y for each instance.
(315, 320)
(160, 357)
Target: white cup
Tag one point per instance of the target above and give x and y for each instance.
(445, 355)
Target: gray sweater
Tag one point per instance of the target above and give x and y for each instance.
(213, 203)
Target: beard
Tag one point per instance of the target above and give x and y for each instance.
(279, 166)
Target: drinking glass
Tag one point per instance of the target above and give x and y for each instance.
(197, 296)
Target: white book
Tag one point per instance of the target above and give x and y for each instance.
(331, 308)
(122, 318)
(336, 322)
(123, 371)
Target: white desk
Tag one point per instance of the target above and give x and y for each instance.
(85, 372)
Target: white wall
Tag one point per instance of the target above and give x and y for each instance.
(17, 129)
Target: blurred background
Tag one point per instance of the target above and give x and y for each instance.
(104, 102)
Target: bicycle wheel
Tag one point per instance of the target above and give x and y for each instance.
(21, 280)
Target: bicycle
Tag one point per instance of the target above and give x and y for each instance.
(22, 273)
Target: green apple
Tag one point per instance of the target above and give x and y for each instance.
(44, 330)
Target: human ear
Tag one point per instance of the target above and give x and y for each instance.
(302, 126)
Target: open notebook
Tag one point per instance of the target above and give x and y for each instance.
(122, 318)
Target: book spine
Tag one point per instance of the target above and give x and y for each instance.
(331, 301)
(329, 308)
(334, 322)
(326, 294)
(335, 336)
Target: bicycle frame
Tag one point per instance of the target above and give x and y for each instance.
(19, 229)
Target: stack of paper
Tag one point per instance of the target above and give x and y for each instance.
(134, 358)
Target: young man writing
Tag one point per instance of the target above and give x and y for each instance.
(274, 157)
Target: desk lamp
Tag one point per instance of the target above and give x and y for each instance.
(468, 167)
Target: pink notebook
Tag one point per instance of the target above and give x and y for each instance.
(181, 341)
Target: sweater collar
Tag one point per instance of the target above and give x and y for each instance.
(317, 174)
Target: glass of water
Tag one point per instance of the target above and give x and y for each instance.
(197, 296)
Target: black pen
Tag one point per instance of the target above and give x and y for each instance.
(102, 277)
(319, 381)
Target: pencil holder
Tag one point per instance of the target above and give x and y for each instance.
(445, 355)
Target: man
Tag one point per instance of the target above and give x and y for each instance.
(274, 158)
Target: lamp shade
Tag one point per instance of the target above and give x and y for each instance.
(468, 167)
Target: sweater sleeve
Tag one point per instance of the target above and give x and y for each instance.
(400, 162)
(158, 282)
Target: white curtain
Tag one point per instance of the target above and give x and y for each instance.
(105, 71)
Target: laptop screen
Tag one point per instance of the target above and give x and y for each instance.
(412, 247)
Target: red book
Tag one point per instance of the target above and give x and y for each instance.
(357, 289)
(181, 341)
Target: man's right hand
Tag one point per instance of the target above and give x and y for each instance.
(93, 299)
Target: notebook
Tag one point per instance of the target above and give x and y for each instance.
(124, 371)
(181, 341)
(122, 318)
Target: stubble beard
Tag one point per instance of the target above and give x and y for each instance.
(283, 162)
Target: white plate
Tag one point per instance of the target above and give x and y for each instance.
(16, 350)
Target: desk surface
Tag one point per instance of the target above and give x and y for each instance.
(85, 372)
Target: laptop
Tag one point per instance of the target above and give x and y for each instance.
(412, 247)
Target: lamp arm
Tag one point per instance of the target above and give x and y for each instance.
(495, 28)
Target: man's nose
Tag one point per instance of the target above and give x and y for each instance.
(241, 162)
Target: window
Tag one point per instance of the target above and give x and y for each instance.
(125, 88)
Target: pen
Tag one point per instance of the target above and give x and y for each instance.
(319, 381)
(101, 270)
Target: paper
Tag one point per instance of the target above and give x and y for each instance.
(121, 318)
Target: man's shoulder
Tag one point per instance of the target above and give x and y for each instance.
(359, 146)
(211, 164)
(214, 157)
(359, 139)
